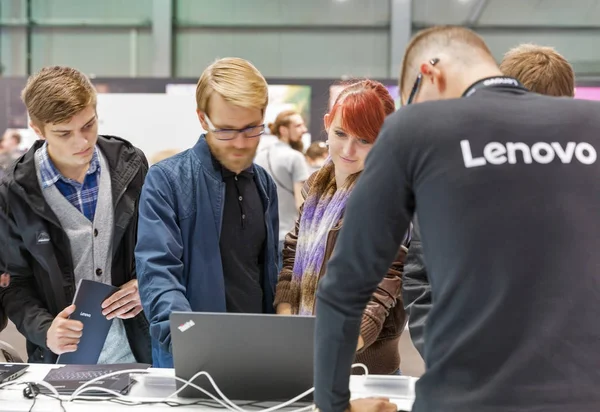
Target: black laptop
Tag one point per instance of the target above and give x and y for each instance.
(67, 379)
(251, 357)
(11, 371)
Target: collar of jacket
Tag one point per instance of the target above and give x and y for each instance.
(209, 163)
(123, 162)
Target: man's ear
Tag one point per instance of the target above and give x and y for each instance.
(37, 131)
(439, 80)
(202, 120)
(435, 76)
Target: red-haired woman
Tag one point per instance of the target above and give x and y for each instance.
(352, 127)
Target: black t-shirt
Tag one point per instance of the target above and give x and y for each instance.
(506, 184)
(242, 241)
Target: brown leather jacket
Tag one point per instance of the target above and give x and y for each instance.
(384, 318)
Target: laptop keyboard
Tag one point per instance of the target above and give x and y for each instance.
(61, 374)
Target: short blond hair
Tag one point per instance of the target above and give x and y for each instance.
(541, 69)
(55, 94)
(236, 80)
(459, 41)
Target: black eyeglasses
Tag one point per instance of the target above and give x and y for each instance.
(230, 134)
(415, 87)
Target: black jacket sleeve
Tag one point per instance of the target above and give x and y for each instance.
(20, 299)
(416, 291)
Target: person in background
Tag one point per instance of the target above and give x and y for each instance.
(352, 127)
(316, 155)
(208, 215)
(286, 164)
(68, 211)
(11, 141)
(542, 70)
(9, 149)
(162, 155)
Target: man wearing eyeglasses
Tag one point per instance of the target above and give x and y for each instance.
(207, 237)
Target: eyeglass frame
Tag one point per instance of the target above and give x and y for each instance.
(216, 131)
(419, 79)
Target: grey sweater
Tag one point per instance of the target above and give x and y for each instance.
(91, 250)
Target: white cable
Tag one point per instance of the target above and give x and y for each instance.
(363, 367)
(42, 383)
(85, 388)
(103, 377)
(224, 401)
(228, 404)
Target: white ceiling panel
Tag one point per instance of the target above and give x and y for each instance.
(541, 13)
(431, 12)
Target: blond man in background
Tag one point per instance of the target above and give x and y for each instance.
(541, 69)
(208, 216)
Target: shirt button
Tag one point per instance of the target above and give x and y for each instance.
(99, 272)
(240, 198)
(243, 216)
(235, 178)
(95, 232)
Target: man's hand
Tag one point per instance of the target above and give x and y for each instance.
(64, 334)
(361, 343)
(4, 280)
(123, 304)
(372, 405)
(284, 309)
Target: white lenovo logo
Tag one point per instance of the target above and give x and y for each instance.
(496, 153)
(87, 315)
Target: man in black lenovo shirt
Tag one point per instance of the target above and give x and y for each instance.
(505, 184)
(542, 70)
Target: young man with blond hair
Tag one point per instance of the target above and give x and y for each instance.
(541, 69)
(505, 184)
(68, 211)
(208, 216)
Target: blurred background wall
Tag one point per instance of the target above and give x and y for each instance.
(284, 38)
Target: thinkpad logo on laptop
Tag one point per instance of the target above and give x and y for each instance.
(186, 325)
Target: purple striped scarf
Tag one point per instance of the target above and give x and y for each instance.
(323, 209)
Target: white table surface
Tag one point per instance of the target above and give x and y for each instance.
(12, 399)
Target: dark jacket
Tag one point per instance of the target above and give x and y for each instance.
(384, 318)
(42, 274)
(416, 290)
(178, 256)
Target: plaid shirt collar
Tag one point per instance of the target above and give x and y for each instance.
(51, 175)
